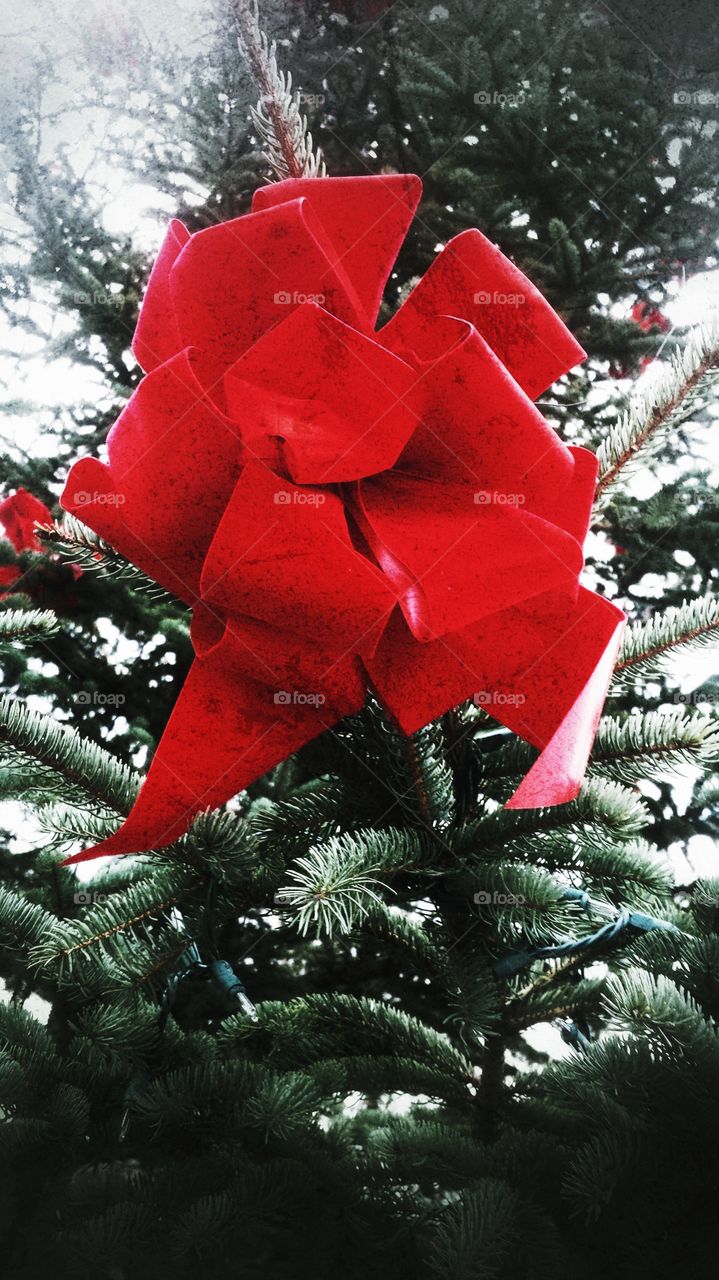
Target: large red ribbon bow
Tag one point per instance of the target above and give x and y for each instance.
(343, 507)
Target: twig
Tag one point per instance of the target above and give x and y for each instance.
(282, 126)
(669, 405)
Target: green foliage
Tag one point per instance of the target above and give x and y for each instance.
(61, 759)
(627, 748)
(647, 645)
(26, 624)
(688, 382)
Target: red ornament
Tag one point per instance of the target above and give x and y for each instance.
(650, 318)
(9, 575)
(343, 508)
(18, 516)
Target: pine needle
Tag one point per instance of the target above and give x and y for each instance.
(647, 645)
(687, 382)
(59, 750)
(286, 139)
(79, 545)
(27, 624)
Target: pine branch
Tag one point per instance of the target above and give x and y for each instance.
(333, 889)
(415, 774)
(634, 874)
(60, 750)
(645, 644)
(285, 828)
(409, 1145)
(601, 805)
(79, 545)
(114, 1033)
(543, 1004)
(27, 624)
(185, 1100)
(27, 1040)
(21, 922)
(387, 1074)
(334, 886)
(515, 896)
(286, 139)
(688, 381)
(317, 1026)
(398, 929)
(482, 1221)
(628, 749)
(431, 773)
(473, 1008)
(645, 1004)
(119, 939)
(643, 745)
(706, 795)
(62, 945)
(66, 825)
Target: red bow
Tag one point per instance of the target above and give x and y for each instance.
(18, 516)
(342, 507)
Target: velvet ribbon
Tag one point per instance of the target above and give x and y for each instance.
(343, 507)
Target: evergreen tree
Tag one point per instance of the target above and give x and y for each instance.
(302, 1038)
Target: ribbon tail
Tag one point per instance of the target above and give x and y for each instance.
(225, 731)
(541, 668)
(556, 776)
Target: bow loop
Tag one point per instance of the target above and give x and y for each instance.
(336, 400)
